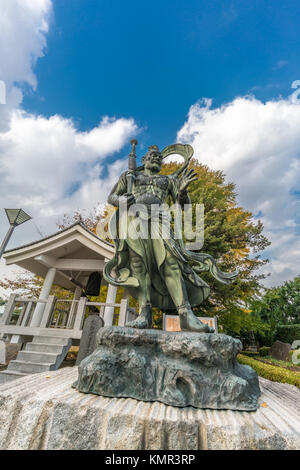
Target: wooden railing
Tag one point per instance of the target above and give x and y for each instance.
(120, 315)
(19, 310)
(73, 317)
(61, 313)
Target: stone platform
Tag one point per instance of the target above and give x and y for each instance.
(175, 368)
(43, 411)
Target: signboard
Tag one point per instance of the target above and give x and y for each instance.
(171, 322)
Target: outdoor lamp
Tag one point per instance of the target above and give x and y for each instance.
(16, 217)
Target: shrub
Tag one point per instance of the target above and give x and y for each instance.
(250, 353)
(273, 373)
(264, 351)
(288, 333)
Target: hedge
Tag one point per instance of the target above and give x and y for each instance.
(264, 351)
(273, 373)
(250, 353)
(287, 333)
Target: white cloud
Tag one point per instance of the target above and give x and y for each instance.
(47, 163)
(47, 166)
(23, 28)
(258, 146)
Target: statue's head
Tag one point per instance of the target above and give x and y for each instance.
(153, 159)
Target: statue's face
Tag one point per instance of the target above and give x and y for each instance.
(153, 160)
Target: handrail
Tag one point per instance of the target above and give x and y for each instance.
(33, 299)
(104, 304)
(26, 299)
(58, 313)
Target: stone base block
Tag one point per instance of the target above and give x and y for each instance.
(175, 368)
(42, 411)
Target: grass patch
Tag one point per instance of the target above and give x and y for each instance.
(280, 363)
(271, 372)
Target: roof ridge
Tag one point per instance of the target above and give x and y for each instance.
(80, 223)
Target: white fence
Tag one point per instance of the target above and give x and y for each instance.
(60, 314)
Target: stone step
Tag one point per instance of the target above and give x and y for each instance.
(50, 340)
(37, 357)
(44, 348)
(28, 367)
(8, 376)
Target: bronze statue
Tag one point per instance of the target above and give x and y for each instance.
(152, 262)
(158, 270)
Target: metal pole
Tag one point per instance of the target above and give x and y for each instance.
(6, 239)
(131, 166)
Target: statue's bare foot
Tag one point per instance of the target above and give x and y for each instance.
(189, 322)
(144, 320)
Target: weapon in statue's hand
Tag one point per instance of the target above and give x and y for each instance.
(131, 166)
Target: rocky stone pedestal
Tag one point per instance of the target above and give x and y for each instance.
(176, 368)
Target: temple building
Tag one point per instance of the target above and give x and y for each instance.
(68, 258)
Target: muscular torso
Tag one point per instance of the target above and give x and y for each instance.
(150, 189)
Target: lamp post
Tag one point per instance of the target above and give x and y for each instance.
(16, 217)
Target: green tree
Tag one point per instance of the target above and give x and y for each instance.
(287, 301)
(277, 306)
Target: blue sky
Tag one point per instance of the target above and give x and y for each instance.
(85, 76)
(152, 60)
